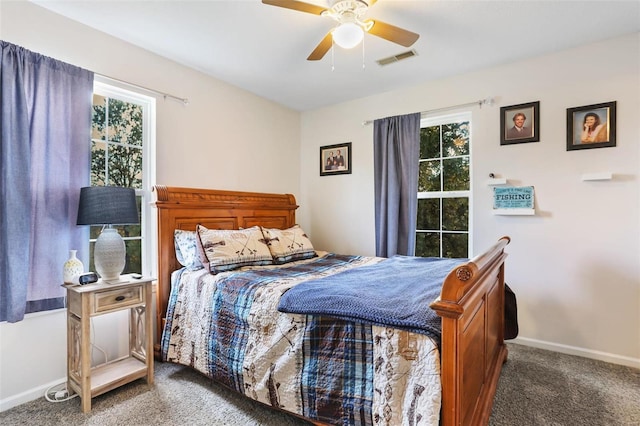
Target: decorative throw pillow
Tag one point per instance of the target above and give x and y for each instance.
(287, 245)
(231, 249)
(187, 249)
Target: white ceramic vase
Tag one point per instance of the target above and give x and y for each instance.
(73, 267)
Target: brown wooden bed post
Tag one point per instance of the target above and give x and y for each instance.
(471, 305)
(185, 208)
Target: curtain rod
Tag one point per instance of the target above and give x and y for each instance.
(185, 101)
(480, 103)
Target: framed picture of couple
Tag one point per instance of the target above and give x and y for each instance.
(520, 123)
(591, 126)
(335, 159)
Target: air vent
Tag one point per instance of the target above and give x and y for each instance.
(396, 58)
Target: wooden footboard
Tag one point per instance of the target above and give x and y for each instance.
(471, 305)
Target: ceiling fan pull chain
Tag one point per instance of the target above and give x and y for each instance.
(333, 66)
(363, 67)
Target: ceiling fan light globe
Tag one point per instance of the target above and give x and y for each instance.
(348, 35)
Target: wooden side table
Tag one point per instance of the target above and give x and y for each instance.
(86, 301)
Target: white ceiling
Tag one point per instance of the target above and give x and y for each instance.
(263, 49)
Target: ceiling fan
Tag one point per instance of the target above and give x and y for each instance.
(349, 14)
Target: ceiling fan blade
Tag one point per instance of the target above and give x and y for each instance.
(322, 48)
(392, 33)
(296, 5)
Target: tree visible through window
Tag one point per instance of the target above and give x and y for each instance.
(117, 152)
(444, 188)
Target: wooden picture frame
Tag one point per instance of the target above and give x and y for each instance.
(335, 159)
(591, 126)
(520, 123)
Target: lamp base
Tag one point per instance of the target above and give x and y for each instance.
(116, 281)
(109, 255)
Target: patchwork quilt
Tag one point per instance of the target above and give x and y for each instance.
(335, 371)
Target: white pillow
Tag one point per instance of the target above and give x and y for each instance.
(187, 249)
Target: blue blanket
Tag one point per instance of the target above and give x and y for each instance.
(395, 292)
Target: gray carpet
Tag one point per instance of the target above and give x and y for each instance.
(536, 387)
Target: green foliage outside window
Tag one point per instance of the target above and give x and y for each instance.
(443, 216)
(116, 160)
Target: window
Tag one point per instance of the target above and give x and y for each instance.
(444, 182)
(122, 154)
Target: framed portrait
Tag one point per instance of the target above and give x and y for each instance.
(335, 159)
(591, 126)
(520, 123)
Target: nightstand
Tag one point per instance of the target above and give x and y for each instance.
(90, 300)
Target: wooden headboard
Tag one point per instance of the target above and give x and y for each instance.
(184, 208)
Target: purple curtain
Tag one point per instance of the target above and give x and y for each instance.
(45, 125)
(396, 158)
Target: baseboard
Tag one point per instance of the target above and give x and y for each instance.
(29, 395)
(573, 350)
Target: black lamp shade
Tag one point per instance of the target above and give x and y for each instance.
(107, 205)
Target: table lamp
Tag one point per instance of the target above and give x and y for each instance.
(107, 206)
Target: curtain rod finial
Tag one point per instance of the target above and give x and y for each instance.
(487, 101)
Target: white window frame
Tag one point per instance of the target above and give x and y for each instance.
(108, 88)
(439, 120)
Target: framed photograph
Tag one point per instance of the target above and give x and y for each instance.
(591, 126)
(520, 123)
(335, 159)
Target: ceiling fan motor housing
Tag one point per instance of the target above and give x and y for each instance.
(345, 11)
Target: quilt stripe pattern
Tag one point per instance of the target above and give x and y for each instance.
(337, 373)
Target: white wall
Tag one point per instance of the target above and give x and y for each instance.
(575, 265)
(226, 138)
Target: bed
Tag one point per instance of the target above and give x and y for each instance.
(469, 354)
